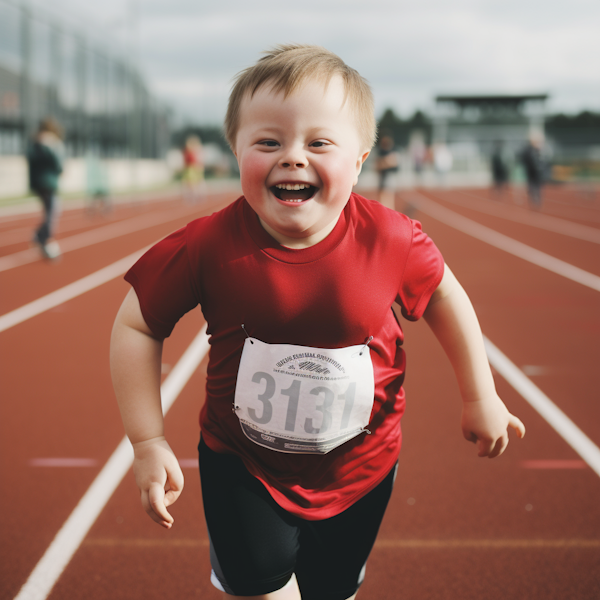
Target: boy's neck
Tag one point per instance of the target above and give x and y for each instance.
(300, 242)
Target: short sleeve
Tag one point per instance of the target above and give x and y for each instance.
(423, 272)
(163, 281)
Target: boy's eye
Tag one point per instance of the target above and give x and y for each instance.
(318, 144)
(268, 143)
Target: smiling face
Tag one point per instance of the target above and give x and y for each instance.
(299, 158)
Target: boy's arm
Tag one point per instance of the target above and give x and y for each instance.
(485, 418)
(135, 362)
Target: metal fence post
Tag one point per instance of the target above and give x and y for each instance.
(82, 73)
(56, 71)
(27, 118)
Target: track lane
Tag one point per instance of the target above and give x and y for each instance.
(560, 318)
(519, 214)
(63, 350)
(84, 421)
(507, 518)
(69, 538)
(538, 246)
(556, 418)
(580, 205)
(113, 561)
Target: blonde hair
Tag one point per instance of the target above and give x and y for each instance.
(286, 68)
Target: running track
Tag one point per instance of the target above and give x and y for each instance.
(523, 526)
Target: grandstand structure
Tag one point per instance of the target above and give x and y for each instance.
(480, 121)
(50, 68)
(472, 125)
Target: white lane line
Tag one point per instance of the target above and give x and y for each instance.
(555, 417)
(32, 204)
(503, 242)
(62, 462)
(547, 222)
(58, 555)
(67, 224)
(95, 236)
(10, 236)
(94, 280)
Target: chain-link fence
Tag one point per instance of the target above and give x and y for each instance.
(49, 68)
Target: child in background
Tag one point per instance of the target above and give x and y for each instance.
(193, 169)
(296, 279)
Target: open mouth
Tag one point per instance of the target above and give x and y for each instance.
(294, 192)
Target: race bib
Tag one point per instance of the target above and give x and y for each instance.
(303, 400)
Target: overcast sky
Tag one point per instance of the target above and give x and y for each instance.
(190, 50)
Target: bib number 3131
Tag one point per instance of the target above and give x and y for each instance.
(303, 400)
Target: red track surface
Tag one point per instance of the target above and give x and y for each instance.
(525, 525)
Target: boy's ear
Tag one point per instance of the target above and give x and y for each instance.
(359, 163)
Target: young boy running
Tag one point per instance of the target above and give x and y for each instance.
(296, 280)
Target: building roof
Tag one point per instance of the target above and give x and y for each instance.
(508, 100)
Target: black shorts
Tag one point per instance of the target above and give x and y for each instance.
(256, 546)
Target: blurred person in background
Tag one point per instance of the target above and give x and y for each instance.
(533, 163)
(418, 153)
(387, 163)
(98, 190)
(45, 158)
(442, 161)
(499, 169)
(193, 169)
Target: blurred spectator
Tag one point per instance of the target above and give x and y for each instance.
(45, 158)
(418, 154)
(387, 163)
(442, 161)
(193, 169)
(499, 168)
(387, 159)
(97, 185)
(531, 158)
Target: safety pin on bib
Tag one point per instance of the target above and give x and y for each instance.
(244, 328)
(366, 344)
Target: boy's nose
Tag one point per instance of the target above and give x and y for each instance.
(294, 157)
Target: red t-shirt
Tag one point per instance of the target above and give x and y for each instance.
(190, 157)
(334, 294)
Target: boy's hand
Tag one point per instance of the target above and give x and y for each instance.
(159, 477)
(486, 422)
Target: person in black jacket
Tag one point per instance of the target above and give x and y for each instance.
(499, 169)
(387, 163)
(44, 158)
(531, 158)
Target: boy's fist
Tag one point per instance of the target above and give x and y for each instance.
(486, 423)
(159, 478)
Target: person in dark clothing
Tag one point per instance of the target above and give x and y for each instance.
(44, 158)
(499, 168)
(531, 158)
(387, 163)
